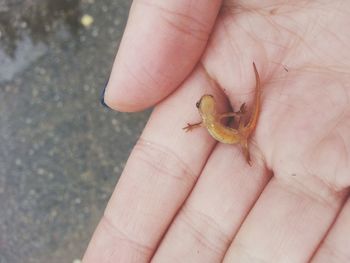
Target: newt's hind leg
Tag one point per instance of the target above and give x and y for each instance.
(245, 150)
(242, 110)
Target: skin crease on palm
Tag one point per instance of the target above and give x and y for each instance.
(184, 198)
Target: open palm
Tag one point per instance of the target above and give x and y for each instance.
(185, 198)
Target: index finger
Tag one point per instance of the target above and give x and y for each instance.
(158, 177)
(163, 41)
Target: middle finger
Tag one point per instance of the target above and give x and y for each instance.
(208, 221)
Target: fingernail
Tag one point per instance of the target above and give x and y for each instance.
(102, 97)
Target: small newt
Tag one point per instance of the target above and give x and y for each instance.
(211, 120)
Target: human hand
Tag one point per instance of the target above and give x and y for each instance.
(184, 198)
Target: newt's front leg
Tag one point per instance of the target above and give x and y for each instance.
(190, 127)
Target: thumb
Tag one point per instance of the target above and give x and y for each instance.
(162, 42)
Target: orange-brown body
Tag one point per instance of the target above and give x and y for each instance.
(212, 120)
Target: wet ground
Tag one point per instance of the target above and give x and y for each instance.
(61, 153)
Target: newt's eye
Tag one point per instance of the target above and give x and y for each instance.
(197, 104)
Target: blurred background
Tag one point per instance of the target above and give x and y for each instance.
(61, 153)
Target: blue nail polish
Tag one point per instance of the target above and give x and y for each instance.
(102, 97)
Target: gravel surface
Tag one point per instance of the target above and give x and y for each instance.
(61, 153)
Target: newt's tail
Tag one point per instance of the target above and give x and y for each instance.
(250, 127)
(247, 130)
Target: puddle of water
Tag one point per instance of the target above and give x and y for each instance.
(27, 27)
(26, 53)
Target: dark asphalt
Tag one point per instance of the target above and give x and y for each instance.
(61, 153)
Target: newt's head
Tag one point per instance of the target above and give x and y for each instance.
(206, 105)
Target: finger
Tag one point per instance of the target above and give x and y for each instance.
(158, 176)
(208, 221)
(162, 43)
(288, 221)
(335, 247)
